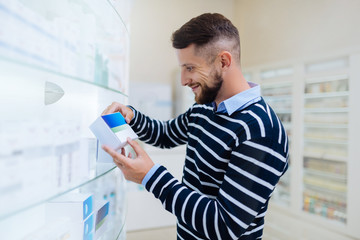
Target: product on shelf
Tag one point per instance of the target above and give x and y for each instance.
(77, 208)
(328, 86)
(333, 208)
(101, 217)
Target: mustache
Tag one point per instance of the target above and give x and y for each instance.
(194, 85)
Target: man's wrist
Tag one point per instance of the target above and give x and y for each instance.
(133, 111)
(149, 174)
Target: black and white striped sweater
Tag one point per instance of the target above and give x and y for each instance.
(231, 168)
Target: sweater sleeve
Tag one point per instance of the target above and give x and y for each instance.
(253, 171)
(163, 134)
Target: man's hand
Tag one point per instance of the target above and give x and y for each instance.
(133, 169)
(127, 113)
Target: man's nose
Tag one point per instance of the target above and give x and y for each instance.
(185, 80)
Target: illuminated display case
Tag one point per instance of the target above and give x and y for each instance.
(277, 88)
(326, 143)
(317, 101)
(61, 64)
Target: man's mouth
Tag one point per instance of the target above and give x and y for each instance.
(193, 88)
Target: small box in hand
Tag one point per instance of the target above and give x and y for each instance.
(112, 130)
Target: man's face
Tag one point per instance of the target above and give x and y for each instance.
(205, 80)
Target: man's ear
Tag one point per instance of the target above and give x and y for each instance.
(226, 59)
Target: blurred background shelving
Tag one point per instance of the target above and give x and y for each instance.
(315, 100)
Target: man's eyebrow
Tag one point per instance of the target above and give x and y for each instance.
(187, 64)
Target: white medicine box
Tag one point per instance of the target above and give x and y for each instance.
(77, 209)
(112, 130)
(76, 206)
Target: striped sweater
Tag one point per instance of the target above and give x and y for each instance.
(231, 168)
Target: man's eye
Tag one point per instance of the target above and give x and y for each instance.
(189, 69)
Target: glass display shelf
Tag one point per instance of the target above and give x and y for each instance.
(100, 170)
(325, 141)
(332, 102)
(327, 110)
(325, 138)
(341, 192)
(277, 92)
(336, 176)
(116, 229)
(108, 213)
(116, 197)
(83, 40)
(61, 64)
(46, 146)
(337, 83)
(326, 95)
(326, 117)
(24, 65)
(325, 156)
(326, 150)
(326, 125)
(327, 181)
(325, 188)
(326, 134)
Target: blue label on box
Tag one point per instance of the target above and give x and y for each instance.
(114, 120)
(87, 207)
(88, 226)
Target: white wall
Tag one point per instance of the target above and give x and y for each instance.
(152, 58)
(278, 30)
(270, 31)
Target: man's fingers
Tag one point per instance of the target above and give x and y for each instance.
(108, 110)
(128, 114)
(109, 150)
(137, 148)
(127, 119)
(114, 107)
(118, 107)
(115, 155)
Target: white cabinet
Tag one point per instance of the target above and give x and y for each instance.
(61, 64)
(277, 91)
(325, 151)
(317, 100)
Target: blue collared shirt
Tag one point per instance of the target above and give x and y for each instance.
(229, 106)
(240, 100)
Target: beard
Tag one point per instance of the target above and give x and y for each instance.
(208, 94)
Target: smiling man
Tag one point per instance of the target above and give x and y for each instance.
(237, 148)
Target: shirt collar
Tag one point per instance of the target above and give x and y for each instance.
(240, 100)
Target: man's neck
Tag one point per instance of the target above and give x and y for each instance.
(234, 83)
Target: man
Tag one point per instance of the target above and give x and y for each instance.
(237, 149)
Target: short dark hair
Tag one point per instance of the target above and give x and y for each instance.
(207, 31)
